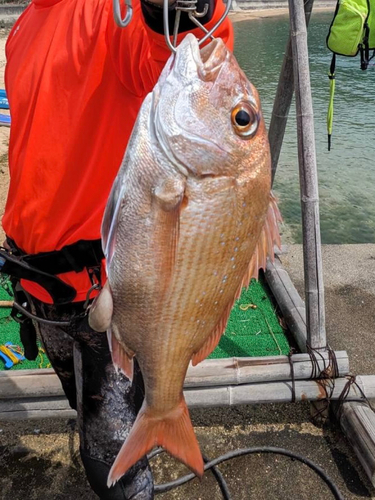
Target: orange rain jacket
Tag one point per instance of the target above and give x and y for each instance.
(75, 83)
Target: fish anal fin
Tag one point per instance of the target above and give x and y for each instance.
(172, 430)
(122, 358)
(269, 237)
(213, 340)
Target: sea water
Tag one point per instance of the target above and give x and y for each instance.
(346, 173)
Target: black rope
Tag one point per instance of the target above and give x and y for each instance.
(30, 315)
(220, 479)
(215, 471)
(325, 377)
(363, 394)
(315, 370)
(163, 488)
(333, 364)
(345, 392)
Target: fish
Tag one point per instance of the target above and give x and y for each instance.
(189, 221)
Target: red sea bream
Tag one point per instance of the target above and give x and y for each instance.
(189, 221)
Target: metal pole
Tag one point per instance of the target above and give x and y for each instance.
(314, 289)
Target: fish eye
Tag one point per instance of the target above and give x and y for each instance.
(245, 120)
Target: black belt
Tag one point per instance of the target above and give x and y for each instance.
(43, 267)
(75, 257)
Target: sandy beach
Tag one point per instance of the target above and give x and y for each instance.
(245, 15)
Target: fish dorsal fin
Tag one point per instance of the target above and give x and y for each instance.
(121, 358)
(268, 237)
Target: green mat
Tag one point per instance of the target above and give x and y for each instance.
(253, 329)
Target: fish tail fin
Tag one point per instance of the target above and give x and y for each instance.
(173, 431)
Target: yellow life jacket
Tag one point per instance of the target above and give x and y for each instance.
(352, 31)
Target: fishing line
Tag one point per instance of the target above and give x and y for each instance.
(162, 488)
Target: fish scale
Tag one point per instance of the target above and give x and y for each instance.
(189, 220)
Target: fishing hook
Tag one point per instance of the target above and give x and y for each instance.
(189, 6)
(122, 23)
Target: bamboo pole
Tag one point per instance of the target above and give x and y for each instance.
(6, 303)
(275, 392)
(211, 372)
(239, 371)
(283, 98)
(288, 300)
(357, 421)
(19, 409)
(205, 397)
(314, 290)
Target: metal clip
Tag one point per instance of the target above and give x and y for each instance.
(88, 295)
(190, 7)
(122, 23)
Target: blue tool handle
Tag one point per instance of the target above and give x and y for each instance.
(8, 362)
(4, 104)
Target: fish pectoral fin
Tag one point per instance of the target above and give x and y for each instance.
(122, 358)
(213, 340)
(269, 237)
(167, 200)
(169, 193)
(101, 310)
(172, 430)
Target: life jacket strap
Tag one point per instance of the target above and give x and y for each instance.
(332, 82)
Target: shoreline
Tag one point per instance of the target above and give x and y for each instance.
(9, 13)
(244, 15)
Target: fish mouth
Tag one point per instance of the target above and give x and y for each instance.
(208, 59)
(189, 65)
